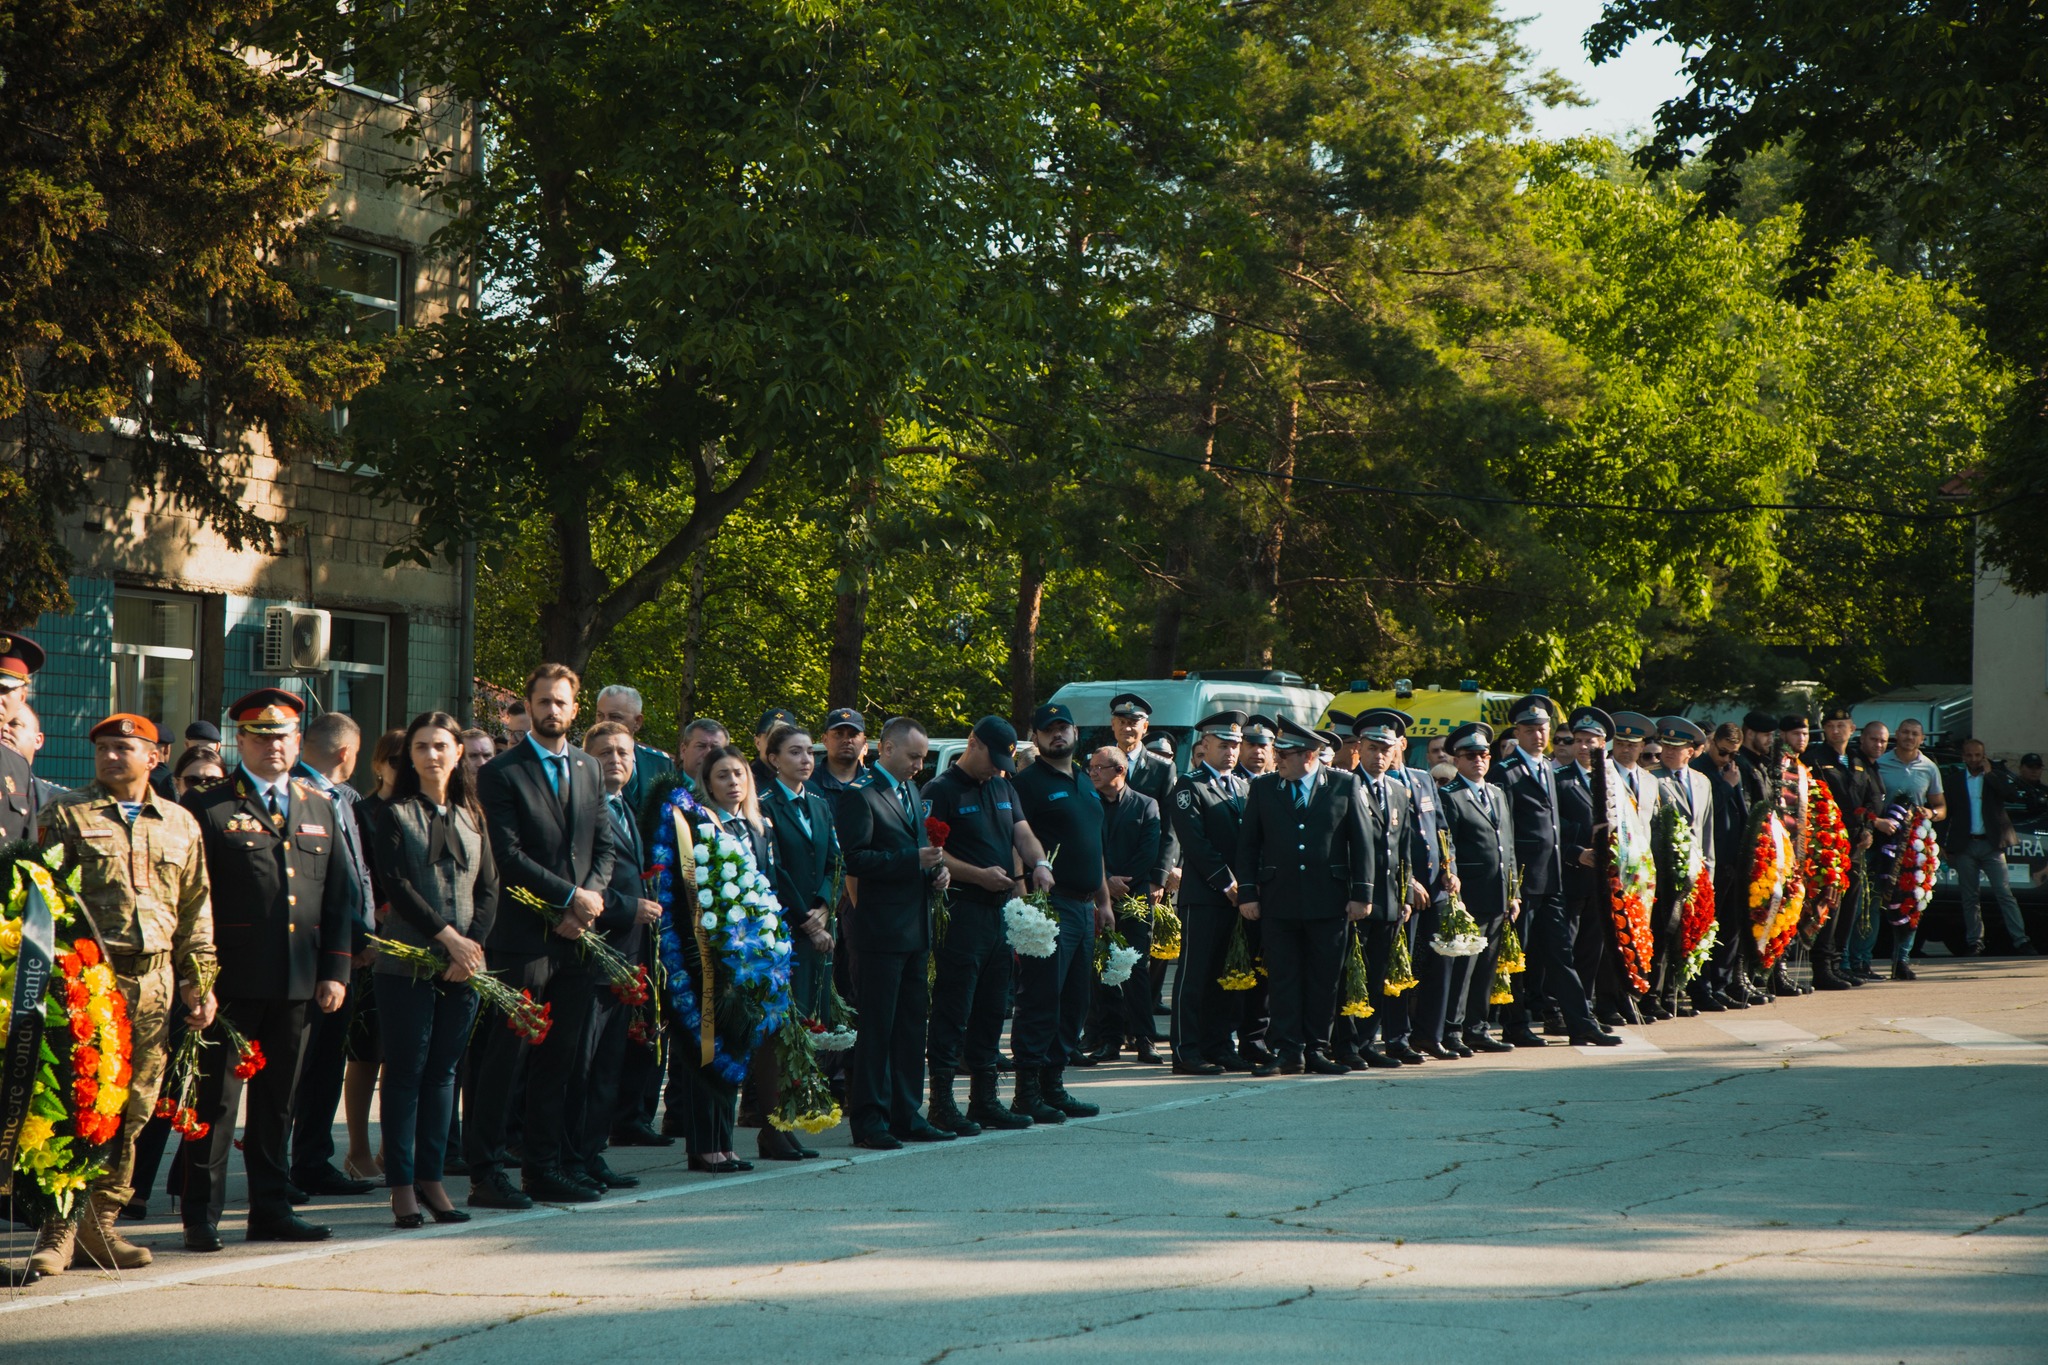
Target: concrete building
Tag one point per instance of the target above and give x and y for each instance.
(168, 619)
(2010, 668)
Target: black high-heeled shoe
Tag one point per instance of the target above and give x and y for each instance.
(408, 1221)
(451, 1214)
(698, 1163)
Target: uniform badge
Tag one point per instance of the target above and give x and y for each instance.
(1184, 798)
(126, 727)
(318, 831)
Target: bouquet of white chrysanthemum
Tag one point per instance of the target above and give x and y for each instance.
(1114, 958)
(1032, 927)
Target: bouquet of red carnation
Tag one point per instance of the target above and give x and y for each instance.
(635, 992)
(524, 1015)
(936, 832)
(180, 1097)
(249, 1058)
(1827, 859)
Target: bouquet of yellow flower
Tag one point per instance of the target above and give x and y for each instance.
(1355, 998)
(1165, 931)
(1400, 964)
(1241, 971)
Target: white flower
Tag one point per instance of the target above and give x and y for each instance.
(735, 916)
(708, 920)
(1030, 931)
(704, 898)
(770, 923)
(700, 855)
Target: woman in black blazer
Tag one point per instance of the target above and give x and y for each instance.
(806, 854)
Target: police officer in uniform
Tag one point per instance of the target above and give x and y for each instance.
(1146, 773)
(1130, 855)
(1306, 854)
(284, 903)
(1581, 829)
(20, 657)
(1550, 933)
(1206, 810)
(1686, 792)
(1390, 811)
(1482, 830)
(1439, 977)
(1255, 754)
(142, 877)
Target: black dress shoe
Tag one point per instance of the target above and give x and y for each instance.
(1436, 1050)
(1256, 1053)
(1732, 1001)
(775, 1145)
(1595, 1040)
(327, 1180)
(1145, 1053)
(295, 1194)
(1232, 1063)
(1108, 1052)
(1405, 1054)
(1606, 1014)
(1707, 1002)
(202, 1237)
(135, 1211)
(1520, 1036)
(1486, 1042)
(1197, 1069)
(1323, 1065)
(1085, 1059)
(553, 1185)
(640, 1135)
(1377, 1060)
(1351, 1057)
(1290, 1065)
(921, 1131)
(1902, 972)
(1265, 1068)
(494, 1191)
(877, 1142)
(604, 1177)
(289, 1229)
(1456, 1047)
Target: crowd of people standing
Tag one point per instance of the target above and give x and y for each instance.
(1309, 878)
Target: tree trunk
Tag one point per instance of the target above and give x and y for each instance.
(1266, 569)
(1169, 615)
(850, 592)
(1024, 637)
(693, 645)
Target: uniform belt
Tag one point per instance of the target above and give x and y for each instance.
(136, 964)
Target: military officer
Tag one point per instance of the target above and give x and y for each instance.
(1438, 977)
(1687, 793)
(1206, 810)
(142, 878)
(1147, 773)
(1306, 855)
(1581, 829)
(1482, 830)
(1549, 933)
(1397, 895)
(1255, 755)
(1633, 796)
(20, 657)
(284, 907)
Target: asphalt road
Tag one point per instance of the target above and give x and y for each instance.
(1853, 1177)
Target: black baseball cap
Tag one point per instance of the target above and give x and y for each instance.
(845, 718)
(2030, 760)
(1051, 714)
(772, 717)
(202, 732)
(999, 737)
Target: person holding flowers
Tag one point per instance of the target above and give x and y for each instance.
(1131, 836)
(806, 871)
(142, 878)
(1685, 872)
(434, 865)
(1912, 780)
(1482, 827)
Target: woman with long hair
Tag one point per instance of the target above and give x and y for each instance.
(806, 857)
(364, 1046)
(433, 862)
(725, 788)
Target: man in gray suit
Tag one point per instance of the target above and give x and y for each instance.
(1482, 825)
(1306, 856)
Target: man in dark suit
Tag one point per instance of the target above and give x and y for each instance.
(1974, 837)
(1483, 841)
(1307, 859)
(551, 836)
(1549, 935)
(1208, 806)
(1737, 785)
(1148, 774)
(1396, 894)
(20, 657)
(889, 927)
(1130, 855)
(1438, 977)
(1580, 832)
(285, 902)
(625, 923)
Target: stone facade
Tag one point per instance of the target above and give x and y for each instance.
(169, 618)
(2009, 676)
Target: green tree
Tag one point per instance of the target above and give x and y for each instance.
(154, 229)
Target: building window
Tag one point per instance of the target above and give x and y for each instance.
(156, 658)
(372, 281)
(356, 680)
(341, 68)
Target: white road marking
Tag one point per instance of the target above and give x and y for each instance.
(1962, 1033)
(1775, 1035)
(1633, 1044)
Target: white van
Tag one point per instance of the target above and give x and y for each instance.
(1178, 703)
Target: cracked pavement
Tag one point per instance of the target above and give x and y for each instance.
(1713, 1201)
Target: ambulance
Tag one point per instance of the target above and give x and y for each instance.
(1437, 710)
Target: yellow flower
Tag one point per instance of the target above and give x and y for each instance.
(35, 1132)
(99, 978)
(112, 1099)
(10, 937)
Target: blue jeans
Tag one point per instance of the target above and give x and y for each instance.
(1053, 992)
(1976, 861)
(426, 1028)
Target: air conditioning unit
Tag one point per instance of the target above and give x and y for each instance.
(295, 639)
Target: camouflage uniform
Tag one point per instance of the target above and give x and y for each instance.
(146, 888)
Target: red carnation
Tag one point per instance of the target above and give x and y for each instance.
(88, 952)
(165, 1109)
(76, 996)
(937, 831)
(70, 964)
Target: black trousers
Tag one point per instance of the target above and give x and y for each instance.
(969, 989)
(1553, 937)
(1053, 992)
(319, 1090)
(551, 1067)
(1305, 958)
(886, 1082)
(1724, 970)
(710, 1104)
(1389, 1021)
(604, 1058)
(1468, 1008)
(1202, 1010)
(279, 1027)
(1123, 1014)
(1592, 944)
(1666, 965)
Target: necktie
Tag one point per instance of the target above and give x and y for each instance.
(903, 796)
(1301, 794)
(558, 769)
(276, 810)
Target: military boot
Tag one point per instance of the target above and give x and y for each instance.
(1052, 1084)
(99, 1245)
(943, 1113)
(1030, 1101)
(985, 1108)
(52, 1255)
